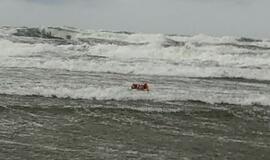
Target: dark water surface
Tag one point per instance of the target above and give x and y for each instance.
(33, 127)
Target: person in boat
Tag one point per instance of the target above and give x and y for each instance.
(141, 87)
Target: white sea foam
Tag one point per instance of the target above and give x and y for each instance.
(150, 59)
(157, 93)
(195, 56)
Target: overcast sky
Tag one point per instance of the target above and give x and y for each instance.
(249, 18)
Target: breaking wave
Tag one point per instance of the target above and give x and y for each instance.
(137, 54)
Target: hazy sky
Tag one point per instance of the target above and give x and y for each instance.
(215, 17)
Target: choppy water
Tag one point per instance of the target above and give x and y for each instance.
(64, 94)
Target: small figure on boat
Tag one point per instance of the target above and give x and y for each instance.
(140, 87)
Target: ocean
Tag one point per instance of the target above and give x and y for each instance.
(65, 94)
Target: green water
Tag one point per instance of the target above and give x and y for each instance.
(52, 128)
